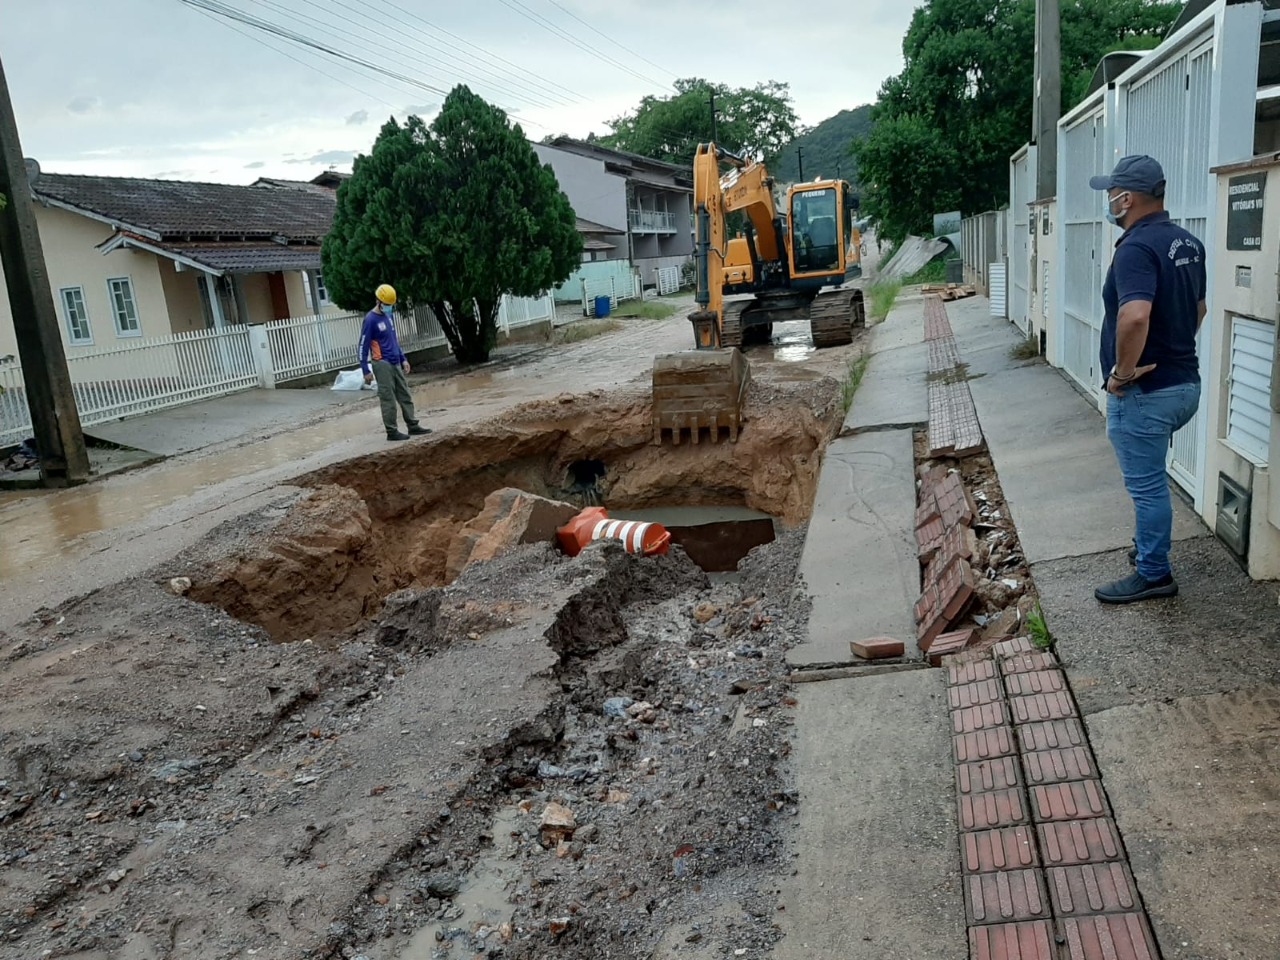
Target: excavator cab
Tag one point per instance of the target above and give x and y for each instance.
(821, 233)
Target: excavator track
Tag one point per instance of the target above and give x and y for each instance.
(833, 316)
(731, 325)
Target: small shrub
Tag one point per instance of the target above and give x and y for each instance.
(849, 389)
(1039, 630)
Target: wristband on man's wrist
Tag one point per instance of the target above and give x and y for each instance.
(1119, 379)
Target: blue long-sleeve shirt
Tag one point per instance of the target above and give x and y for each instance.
(378, 341)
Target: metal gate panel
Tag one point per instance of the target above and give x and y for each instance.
(1170, 118)
(1020, 243)
(1082, 254)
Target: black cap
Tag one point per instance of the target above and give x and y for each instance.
(1140, 174)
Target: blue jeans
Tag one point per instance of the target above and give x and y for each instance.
(1141, 427)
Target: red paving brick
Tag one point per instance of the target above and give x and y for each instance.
(986, 811)
(1077, 800)
(961, 671)
(953, 502)
(1028, 663)
(1072, 842)
(1051, 735)
(1042, 681)
(949, 644)
(1040, 707)
(1058, 766)
(982, 717)
(1122, 936)
(1092, 888)
(998, 774)
(927, 512)
(1013, 941)
(974, 694)
(983, 745)
(1010, 648)
(987, 851)
(944, 601)
(878, 648)
(930, 538)
(1007, 897)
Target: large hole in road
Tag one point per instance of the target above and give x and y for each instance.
(375, 525)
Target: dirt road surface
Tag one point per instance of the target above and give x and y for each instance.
(330, 746)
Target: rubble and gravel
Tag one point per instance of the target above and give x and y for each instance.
(586, 757)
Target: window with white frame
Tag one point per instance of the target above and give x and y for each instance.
(320, 288)
(77, 316)
(1249, 400)
(124, 307)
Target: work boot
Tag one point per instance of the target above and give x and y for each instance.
(396, 435)
(417, 431)
(1133, 554)
(1135, 588)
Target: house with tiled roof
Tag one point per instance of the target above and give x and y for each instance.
(131, 258)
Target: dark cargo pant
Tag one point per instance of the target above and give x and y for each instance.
(393, 388)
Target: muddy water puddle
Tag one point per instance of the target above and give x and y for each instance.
(481, 908)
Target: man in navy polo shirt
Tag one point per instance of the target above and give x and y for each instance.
(1155, 302)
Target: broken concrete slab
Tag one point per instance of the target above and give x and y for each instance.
(1050, 447)
(894, 393)
(876, 877)
(510, 518)
(859, 562)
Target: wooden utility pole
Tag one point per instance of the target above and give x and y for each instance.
(800, 162)
(714, 132)
(1048, 96)
(54, 418)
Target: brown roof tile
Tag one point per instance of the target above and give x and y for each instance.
(176, 208)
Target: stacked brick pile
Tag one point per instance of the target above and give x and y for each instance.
(953, 421)
(947, 544)
(1045, 874)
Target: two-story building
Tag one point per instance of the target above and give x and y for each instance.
(610, 187)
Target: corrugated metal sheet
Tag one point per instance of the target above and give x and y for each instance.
(914, 254)
(999, 290)
(1253, 345)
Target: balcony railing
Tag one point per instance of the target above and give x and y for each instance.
(652, 221)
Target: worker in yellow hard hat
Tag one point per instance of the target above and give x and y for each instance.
(381, 357)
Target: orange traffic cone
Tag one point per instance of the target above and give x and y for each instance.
(647, 539)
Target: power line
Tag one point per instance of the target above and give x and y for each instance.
(546, 24)
(620, 46)
(288, 56)
(434, 53)
(520, 74)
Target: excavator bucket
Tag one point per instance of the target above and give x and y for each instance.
(699, 390)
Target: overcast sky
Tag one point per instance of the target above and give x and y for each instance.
(156, 88)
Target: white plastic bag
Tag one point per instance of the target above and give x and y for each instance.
(349, 380)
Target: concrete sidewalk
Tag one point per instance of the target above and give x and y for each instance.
(1181, 699)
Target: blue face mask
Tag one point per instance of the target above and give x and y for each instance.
(388, 312)
(1112, 218)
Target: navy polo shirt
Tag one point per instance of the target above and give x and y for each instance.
(1159, 262)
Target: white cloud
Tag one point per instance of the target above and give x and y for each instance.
(358, 118)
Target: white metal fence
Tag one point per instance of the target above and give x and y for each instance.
(142, 376)
(668, 280)
(617, 289)
(152, 374)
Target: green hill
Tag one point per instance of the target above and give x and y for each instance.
(825, 147)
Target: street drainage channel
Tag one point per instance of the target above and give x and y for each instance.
(412, 517)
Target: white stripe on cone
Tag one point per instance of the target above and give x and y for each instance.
(630, 532)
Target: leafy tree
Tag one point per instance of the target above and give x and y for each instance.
(454, 215)
(753, 122)
(828, 148)
(964, 98)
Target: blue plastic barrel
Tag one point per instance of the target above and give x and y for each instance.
(602, 306)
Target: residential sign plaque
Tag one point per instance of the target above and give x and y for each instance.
(1245, 196)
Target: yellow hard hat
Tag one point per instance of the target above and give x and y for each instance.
(386, 293)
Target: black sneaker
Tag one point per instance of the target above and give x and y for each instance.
(1135, 588)
(417, 431)
(396, 435)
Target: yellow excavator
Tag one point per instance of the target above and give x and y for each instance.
(792, 265)
(795, 264)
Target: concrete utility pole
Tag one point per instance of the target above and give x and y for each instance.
(715, 138)
(800, 162)
(54, 418)
(1048, 98)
